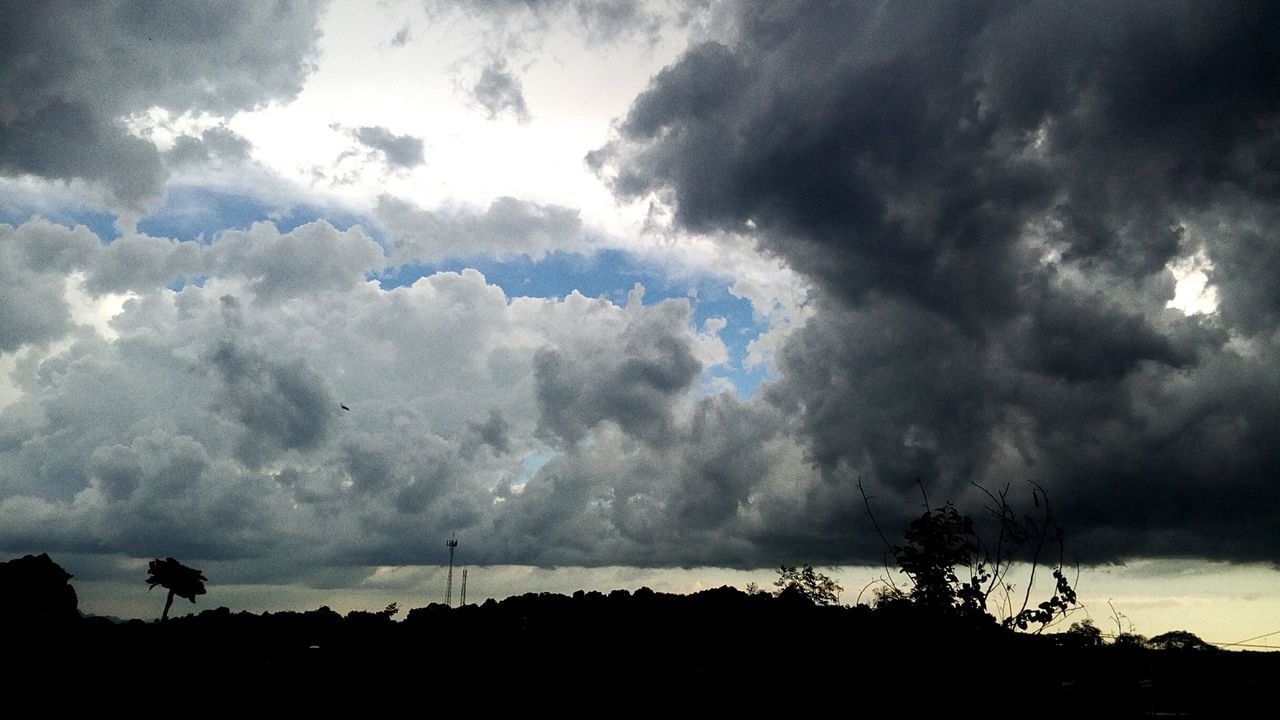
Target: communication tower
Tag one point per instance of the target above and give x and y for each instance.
(452, 543)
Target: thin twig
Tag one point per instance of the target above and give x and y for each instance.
(866, 501)
(924, 495)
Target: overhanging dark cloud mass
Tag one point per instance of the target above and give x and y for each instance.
(72, 72)
(988, 195)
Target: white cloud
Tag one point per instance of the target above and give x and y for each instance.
(507, 227)
(1193, 294)
(207, 422)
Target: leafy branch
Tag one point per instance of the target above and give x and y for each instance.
(943, 544)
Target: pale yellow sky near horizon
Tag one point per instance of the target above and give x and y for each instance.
(1220, 602)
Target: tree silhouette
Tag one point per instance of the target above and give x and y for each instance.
(178, 579)
(1179, 640)
(953, 571)
(938, 542)
(818, 588)
(1084, 634)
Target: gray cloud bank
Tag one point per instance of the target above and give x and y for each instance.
(73, 72)
(987, 196)
(545, 431)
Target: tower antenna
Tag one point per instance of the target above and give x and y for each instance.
(462, 600)
(452, 543)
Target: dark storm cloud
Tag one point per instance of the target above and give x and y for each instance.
(898, 147)
(1245, 255)
(410, 479)
(498, 91)
(719, 491)
(494, 433)
(402, 151)
(987, 196)
(73, 71)
(64, 139)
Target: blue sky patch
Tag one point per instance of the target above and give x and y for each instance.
(102, 223)
(192, 212)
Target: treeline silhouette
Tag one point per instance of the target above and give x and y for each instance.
(715, 650)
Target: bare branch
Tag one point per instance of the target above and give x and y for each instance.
(924, 495)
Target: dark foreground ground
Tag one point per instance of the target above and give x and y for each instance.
(718, 651)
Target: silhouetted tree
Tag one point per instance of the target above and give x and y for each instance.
(937, 542)
(1131, 639)
(1179, 640)
(942, 542)
(34, 588)
(380, 617)
(1084, 634)
(177, 578)
(818, 588)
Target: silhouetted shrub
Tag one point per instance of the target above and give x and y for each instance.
(1178, 640)
(34, 588)
(943, 542)
(809, 584)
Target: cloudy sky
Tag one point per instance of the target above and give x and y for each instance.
(631, 294)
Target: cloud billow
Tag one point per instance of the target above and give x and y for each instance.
(211, 422)
(215, 144)
(281, 406)
(988, 197)
(400, 151)
(34, 261)
(498, 91)
(507, 227)
(636, 385)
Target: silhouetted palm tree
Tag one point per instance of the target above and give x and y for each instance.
(177, 578)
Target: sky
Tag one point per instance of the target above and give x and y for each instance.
(634, 294)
